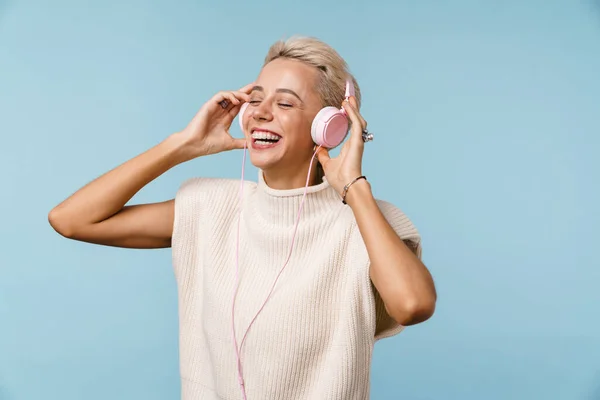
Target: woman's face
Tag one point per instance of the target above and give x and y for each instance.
(278, 119)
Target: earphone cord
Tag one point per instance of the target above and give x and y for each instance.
(237, 257)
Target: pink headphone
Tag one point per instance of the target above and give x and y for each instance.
(330, 125)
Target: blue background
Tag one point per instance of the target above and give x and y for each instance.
(487, 122)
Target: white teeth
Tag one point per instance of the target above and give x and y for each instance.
(257, 135)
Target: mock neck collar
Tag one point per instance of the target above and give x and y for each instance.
(280, 206)
(269, 191)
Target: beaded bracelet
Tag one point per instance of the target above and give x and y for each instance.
(348, 186)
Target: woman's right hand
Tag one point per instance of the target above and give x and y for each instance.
(208, 132)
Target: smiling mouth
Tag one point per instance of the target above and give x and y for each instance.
(262, 138)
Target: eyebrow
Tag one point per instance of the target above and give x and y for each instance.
(261, 89)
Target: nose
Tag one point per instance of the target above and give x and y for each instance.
(262, 112)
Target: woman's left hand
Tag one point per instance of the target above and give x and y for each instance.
(347, 166)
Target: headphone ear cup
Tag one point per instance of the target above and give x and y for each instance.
(241, 115)
(329, 127)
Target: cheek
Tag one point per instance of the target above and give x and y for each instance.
(297, 128)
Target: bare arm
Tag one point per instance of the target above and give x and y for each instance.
(97, 213)
(403, 281)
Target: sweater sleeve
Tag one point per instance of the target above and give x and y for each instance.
(386, 326)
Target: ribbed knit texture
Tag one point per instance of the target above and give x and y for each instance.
(314, 338)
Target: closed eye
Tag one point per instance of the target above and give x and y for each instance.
(283, 105)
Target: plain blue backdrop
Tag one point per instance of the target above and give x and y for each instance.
(487, 122)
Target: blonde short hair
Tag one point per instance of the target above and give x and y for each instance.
(332, 67)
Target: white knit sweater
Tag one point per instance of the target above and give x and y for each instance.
(314, 338)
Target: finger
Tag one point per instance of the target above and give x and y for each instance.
(354, 104)
(241, 95)
(247, 88)
(323, 156)
(226, 99)
(237, 143)
(236, 99)
(222, 100)
(356, 131)
(230, 97)
(233, 111)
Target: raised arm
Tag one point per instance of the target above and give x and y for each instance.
(97, 213)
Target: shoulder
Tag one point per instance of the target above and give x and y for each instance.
(396, 217)
(197, 195)
(402, 225)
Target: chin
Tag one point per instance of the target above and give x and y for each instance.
(264, 161)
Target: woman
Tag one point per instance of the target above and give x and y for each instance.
(250, 328)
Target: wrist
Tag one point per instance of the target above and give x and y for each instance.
(358, 192)
(174, 147)
(178, 149)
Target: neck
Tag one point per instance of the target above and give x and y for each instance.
(293, 178)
